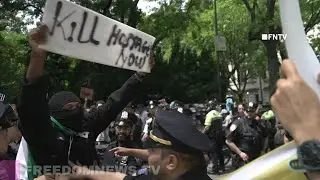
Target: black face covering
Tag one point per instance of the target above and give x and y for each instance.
(69, 118)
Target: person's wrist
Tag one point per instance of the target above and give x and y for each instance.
(130, 152)
(38, 55)
(302, 135)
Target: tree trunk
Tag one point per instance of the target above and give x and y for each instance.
(240, 97)
(273, 64)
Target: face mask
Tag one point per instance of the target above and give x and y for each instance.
(71, 119)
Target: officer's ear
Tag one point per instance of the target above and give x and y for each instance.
(172, 162)
(169, 158)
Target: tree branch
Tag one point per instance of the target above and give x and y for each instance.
(314, 19)
(246, 3)
(30, 5)
(190, 4)
(245, 81)
(233, 79)
(106, 10)
(132, 19)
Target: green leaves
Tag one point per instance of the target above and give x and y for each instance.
(12, 59)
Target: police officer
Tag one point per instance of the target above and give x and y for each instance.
(246, 138)
(213, 129)
(175, 151)
(124, 125)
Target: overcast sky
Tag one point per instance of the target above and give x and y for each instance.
(146, 6)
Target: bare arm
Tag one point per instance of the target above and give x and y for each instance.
(233, 147)
(139, 153)
(98, 175)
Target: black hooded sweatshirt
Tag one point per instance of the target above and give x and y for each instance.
(49, 146)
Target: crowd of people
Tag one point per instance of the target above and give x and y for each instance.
(160, 140)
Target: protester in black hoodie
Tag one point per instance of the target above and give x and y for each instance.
(54, 131)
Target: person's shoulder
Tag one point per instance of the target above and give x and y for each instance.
(237, 120)
(235, 124)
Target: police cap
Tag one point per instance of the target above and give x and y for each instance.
(252, 107)
(7, 116)
(176, 131)
(126, 118)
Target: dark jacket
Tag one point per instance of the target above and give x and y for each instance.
(197, 173)
(49, 146)
(128, 163)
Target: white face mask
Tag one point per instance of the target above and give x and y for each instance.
(99, 105)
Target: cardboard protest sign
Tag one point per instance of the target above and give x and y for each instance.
(82, 33)
(86, 93)
(297, 45)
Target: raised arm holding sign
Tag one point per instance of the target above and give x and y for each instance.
(64, 109)
(84, 34)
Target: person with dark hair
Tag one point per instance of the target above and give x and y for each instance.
(124, 127)
(54, 130)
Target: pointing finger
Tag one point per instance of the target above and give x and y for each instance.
(289, 69)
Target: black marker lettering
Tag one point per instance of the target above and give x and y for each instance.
(124, 59)
(73, 27)
(138, 61)
(136, 43)
(56, 18)
(141, 62)
(96, 19)
(122, 42)
(132, 59)
(114, 34)
(91, 38)
(145, 49)
(132, 38)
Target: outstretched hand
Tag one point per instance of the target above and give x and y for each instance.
(120, 151)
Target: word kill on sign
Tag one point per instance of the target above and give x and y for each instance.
(78, 32)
